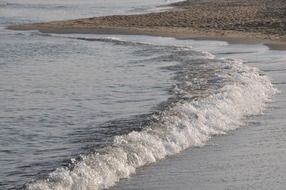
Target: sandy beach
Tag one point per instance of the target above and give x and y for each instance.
(230, 20)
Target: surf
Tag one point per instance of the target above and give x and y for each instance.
(211, 97)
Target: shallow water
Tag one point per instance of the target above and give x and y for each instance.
(61, 97)
(55, 99)
(249, 158)
(84, 111)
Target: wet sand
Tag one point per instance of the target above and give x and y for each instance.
(238, 21)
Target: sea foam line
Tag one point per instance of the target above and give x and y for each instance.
(185, 124)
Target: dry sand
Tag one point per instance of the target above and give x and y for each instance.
(231, 20)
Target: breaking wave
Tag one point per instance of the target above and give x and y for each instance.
(212, 97)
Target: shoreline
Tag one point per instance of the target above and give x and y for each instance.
(239, 22)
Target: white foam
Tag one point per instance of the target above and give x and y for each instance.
(185, 124)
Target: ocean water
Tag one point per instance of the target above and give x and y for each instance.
(82, 111)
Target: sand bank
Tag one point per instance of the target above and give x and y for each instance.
(237, 21)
